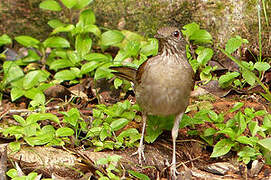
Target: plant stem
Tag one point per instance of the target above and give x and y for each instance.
(260, 31)
(264, 11)
(239, 63)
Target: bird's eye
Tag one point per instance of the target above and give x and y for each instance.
(176, 34)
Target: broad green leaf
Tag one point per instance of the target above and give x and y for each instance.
(64, 131)
(83, 44)
(86, 17)
(204, 56)
(117, 83)
(103, 72)
(209, 132)
(89, 66)
(33, 78)
(19, 119)
(60, 64)
(244, 140)
(16, 93)
(98, 57)
(12, 173)
(38, 100)
(55, 23)
(50, 5)
(201, 36)
(5, 39)
(138, 175)
(67, 28)
(92, 29)
(111, 37)
(132, 48)
(81, 4)
(31, 93)
(14, 146)
(73, 57)
(48, 116)
(233, 44)
(56, 42)
(37, 141)
(266, 143)
(222, 147)
(262, 66)
(189, 29)
(248, 76)
(118, 124)
(27, 41)
(236, 106)
(12, 71)
(227, 78)
(150, 48)
(65, 75)
(31, 57)
(69, 3)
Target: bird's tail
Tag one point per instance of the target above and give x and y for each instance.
(125, 72)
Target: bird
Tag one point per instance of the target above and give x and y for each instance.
(162, 84)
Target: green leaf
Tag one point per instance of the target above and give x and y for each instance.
(189, 29)
(14, 146)
(60, 64)
(117, 83)
(27, 41)
(103, 72)
(111, 37)
(81, 4)
(244, 140)
(201, 36)
(33, 78)
(12, 71)
(65, 75)
(248, 76)
(5, 39)
(16, 93)
(222, 147)
(150, 48)
(83, 44)
(98, 57)
(226, 79)
(19, 119)
(209, 132)
(86, 17)
(266, 143)
(69, 3)
(90, 66)
(236, 106)
(262, 66)
(65, 28)
(91, 28)
(233, 44)
(204, 56)
(56, 42)
(12, 173)
(64, 131)
(31, 57)
(55, 23)
(138, 175)
(50, 5)
(118, 124)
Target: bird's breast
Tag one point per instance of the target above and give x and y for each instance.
(165, 87)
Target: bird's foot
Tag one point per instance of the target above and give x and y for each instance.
(173, 171)
(140, 152)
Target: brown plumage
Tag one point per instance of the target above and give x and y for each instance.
(163, 83)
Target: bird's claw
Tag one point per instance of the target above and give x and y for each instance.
(173, 172)
(140, 152)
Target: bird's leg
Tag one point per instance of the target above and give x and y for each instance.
(174, 133)
(140, 150)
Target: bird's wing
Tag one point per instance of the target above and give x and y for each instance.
(125, 72)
